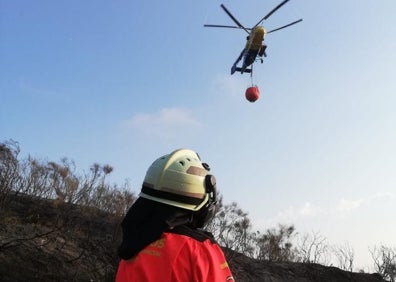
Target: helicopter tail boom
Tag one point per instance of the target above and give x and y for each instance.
(242, 70)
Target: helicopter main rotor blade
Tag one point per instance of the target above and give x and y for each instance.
(282, 27)
(233, 18)
(218, 25)
(271, 12)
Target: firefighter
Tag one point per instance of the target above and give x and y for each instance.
(162, 235)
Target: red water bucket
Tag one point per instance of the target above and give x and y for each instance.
(252, 94)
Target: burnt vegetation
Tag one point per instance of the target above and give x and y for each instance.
(58, 224)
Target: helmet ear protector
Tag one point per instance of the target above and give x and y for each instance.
(210, 186)
(202, 216)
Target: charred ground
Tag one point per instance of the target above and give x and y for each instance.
(44, 240)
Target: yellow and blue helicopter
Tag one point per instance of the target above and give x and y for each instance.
(255, 40)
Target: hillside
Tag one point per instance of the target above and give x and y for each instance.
(42, 240)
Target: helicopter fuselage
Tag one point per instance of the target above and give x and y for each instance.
(252, 47)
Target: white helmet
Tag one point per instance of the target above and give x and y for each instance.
(180, 179)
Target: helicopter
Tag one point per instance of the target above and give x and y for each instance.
(254, 46)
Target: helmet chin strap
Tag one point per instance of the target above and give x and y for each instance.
(180, 219)
(193, 219)
(201, 217)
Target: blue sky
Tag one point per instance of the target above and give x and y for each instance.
(121, 83)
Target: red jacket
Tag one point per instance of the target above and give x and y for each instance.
(176, 258)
